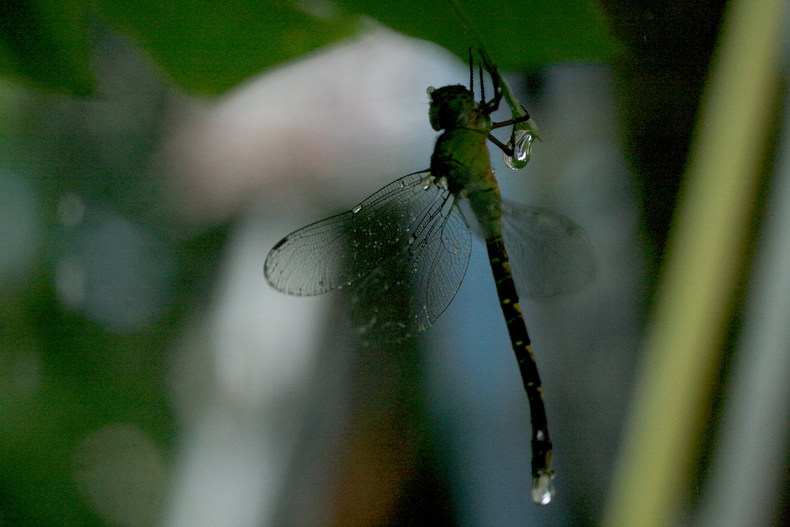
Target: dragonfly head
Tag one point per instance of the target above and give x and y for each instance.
(454, 107)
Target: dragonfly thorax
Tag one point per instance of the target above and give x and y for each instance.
(454, 107)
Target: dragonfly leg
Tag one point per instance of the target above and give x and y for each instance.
(522, 119)
(492, 105)
(502, 146)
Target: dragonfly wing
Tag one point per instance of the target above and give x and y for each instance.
(340, 250)
(411, 289)
(550, 254)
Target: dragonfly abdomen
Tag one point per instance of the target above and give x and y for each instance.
(519, 337)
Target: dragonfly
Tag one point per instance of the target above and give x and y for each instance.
(405, 249)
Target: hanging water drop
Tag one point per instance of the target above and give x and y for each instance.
(356, 209)
(522, 149)
(543, 488)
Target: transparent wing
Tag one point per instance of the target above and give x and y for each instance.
(549, 253)
(412, 288)
(339, 250)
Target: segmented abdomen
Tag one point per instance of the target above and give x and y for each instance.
(519, 337)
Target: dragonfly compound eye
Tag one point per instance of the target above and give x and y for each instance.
(452, 107)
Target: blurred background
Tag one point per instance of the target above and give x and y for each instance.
(151, 156)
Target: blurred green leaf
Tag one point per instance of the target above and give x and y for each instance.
(45, 43)
(519, 35)
(208, 46)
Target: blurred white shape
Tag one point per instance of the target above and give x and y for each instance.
(224, 474)
(298, 143)
(20, 228)
(256, 347)
(354, 114)
(120, 471)
(263, 340)
(112, 270)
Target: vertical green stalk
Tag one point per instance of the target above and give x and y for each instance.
(706, 251)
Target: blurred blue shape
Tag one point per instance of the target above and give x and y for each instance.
(112, 270)
(20, 231)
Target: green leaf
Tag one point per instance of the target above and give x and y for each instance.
(207, 46)
(519, 35)
(45, 43)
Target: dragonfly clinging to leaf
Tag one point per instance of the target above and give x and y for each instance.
(411, 242)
